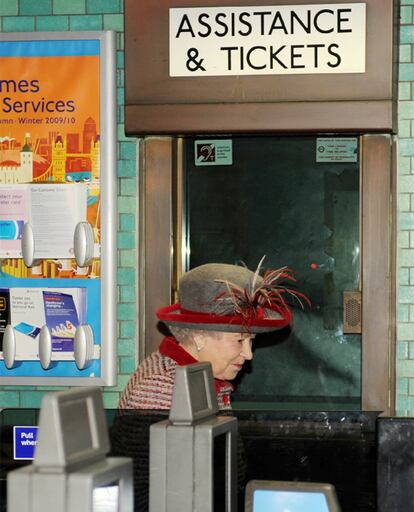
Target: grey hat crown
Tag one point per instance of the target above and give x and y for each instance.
(201, 287)
(227, 298)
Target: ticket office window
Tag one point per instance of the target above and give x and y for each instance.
(329, 220)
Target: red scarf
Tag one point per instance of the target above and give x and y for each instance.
(170, 348)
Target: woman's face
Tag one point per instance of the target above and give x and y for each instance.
(226, 351)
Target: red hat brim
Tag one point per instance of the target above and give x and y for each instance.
(175, 315)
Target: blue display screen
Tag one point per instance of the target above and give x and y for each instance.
(272, 500)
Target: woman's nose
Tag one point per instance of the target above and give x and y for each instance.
(247, 349)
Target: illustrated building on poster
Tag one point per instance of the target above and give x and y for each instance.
(11, 171)
(74, 157)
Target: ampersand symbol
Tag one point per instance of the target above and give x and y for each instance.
(192, 63)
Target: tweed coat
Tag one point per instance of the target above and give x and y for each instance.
(151, 386)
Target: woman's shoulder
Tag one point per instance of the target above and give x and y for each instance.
(151, 385)
(157, 365)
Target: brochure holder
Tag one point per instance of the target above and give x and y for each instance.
(83, 244)
(83, 346)
(45, 347)
(9, 347)
(83, 353)
(28, 245)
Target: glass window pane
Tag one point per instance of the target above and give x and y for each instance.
(277, 200)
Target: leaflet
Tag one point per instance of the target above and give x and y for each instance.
(53, 211)
(4, 313)
(25, 308)
(61, 309)
(62, 319)
(13, 215)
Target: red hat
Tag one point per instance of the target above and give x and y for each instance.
(231, 298)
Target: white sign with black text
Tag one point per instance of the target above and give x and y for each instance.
(267, 40)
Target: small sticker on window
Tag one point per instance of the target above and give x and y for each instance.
(336, 149)
(213, 152)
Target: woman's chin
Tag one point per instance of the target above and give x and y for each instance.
(230, 374)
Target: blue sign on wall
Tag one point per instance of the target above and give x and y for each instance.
(24, 442)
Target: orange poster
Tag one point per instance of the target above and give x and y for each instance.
(50, 127)
(49, 106)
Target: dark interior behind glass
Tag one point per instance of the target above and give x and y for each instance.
(277, 200)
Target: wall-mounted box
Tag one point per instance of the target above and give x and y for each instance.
(259, 66)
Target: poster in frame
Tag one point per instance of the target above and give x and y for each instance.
(58, 170)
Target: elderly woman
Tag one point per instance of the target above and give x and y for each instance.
(221, 309)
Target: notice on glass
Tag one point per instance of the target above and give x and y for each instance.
(53, 212)
(213, 152)
(337, 149)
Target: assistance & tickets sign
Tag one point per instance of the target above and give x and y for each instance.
(267, 40)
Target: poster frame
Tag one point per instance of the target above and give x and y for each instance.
(108, 210)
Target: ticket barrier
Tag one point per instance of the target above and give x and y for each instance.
(193, 460)
(70, 471)
(186, 472)
(184, 475)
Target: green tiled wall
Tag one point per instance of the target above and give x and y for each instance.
(72, 15)
(405, 257)
(45, 15)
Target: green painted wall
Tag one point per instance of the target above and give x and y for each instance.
(73, 15)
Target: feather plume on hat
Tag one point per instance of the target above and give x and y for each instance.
(264, 296)
(232, 298)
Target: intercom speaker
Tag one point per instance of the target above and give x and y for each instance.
(352, 312)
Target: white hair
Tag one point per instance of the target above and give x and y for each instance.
(184, 335)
